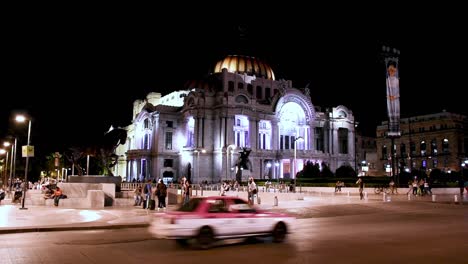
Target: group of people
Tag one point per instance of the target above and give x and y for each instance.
(419, 188)
(146, 195)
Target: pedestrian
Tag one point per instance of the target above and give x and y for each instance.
(252, 191)
(187, 191)
(360, 183)
(2, 195)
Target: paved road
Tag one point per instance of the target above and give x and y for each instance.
(343, 233)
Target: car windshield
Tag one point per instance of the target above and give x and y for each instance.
(191, 206)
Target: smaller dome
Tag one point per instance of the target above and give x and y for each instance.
(245, 64)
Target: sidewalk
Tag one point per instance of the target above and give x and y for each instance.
(44, 218)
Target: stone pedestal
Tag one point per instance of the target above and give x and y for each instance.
(117, 180)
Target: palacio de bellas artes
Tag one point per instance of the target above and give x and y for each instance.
(241, 109)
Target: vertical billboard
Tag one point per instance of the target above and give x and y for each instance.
(393, 97)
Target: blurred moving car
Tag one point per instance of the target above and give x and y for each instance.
(207, 219)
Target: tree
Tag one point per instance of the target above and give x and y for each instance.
(345, 171)
(326, 172)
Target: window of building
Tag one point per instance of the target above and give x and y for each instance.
(403, 150)
(168, 163)
(240, 85)
(445, 146)
(144, 170)
(286, 142)
(191, 133)
(250, 89)
(146, 141)
(168, 142)
(433, 147)
(241, 131)
(343, 140)
(422, 146)
(231, 86)
(384, 152)
(170, 124)
(412, 148)
(259, 92)
(267, 92)
(319, 139)
(146, 123)
(264, 137)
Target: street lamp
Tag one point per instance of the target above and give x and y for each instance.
(22, 118)
(198, 161)
(12, 164)
(300, 139)
(233, 147)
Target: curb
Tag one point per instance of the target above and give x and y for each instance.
(70, 228)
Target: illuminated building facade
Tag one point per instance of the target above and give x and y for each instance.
(199, 131)
(427, 142)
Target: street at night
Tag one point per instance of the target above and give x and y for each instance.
(372, 232)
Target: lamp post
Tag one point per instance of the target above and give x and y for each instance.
(229, 150)
(87, 165)
(295, 154)
(12, 165)
(22, 118)
(355, 149)
(198, 162)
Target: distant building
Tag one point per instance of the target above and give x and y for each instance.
(428, 141)
(366, 155)
(199, 131)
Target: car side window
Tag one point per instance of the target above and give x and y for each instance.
(241, 206)
(217, 206)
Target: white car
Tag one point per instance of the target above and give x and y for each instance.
(206, 219)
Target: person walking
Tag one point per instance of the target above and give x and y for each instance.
(360, 183)
(252, 191)
(187, 191)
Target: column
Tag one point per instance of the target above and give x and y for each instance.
(274, 135)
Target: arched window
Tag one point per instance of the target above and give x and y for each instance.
(242, 99)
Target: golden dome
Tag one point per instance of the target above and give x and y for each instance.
(245, 64)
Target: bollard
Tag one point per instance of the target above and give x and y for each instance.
(365, 195)
(384, 197)
(409, 197)
(456, 198)
(201, 191)
(433, 198)
(259, 201)
(276, 201)
(348, 193)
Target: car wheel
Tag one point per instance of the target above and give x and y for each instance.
(205, 238)
(279, 232)
(182, 242)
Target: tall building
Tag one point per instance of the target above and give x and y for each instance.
(427, 142)
(201, 130)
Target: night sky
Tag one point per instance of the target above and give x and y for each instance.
(78, 75)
